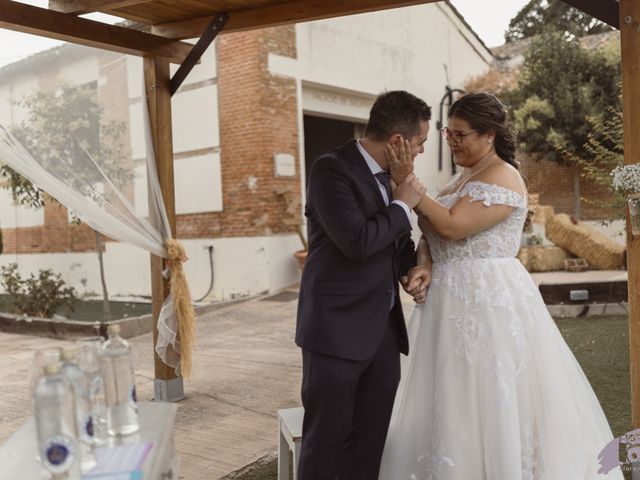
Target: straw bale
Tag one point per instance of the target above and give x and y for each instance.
(542, 214)
(539, 258)
(585, 241)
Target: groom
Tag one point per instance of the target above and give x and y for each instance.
(350, 324)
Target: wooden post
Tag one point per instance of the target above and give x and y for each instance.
(167, 386)
(630, 38)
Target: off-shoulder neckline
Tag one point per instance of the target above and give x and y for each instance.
(482, 183)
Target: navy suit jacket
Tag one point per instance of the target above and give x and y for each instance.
(358, 247)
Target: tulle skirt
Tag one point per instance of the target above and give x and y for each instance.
(490, 390)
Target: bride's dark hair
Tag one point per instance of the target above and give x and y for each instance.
(486, 113)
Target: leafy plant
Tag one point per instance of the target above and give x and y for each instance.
(37, 296)
(64, 128)
(604, 153)
(61, 130)
(537, 15)
(561, 85)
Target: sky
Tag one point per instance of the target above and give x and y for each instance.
(16, 46)
(488, 18)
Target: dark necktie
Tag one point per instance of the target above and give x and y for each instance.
(383, 178)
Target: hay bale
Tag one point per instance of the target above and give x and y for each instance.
(585, 241)
(542, 214)
(539, 258)
(524, 255)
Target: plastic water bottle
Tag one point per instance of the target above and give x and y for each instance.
(54, 406)
(119, 382)
(89, 357)
(84, 419)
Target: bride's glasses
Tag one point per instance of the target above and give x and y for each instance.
(456, 135)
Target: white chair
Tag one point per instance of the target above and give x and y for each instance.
(289, 440)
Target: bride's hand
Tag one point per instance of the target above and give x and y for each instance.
(400, 160)
(416, 283)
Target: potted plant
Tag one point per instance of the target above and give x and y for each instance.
(626, 180)
(293, 219)
(301, 255)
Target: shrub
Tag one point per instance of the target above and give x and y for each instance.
(39, 296)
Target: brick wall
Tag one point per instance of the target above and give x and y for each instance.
(56, 235)
(258, 118)
(556, 185)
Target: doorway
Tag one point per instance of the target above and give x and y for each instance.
(322, 135)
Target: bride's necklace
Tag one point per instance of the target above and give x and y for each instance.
(478, 167)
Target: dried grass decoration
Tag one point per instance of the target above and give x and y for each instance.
(585, 241)
(182, 304)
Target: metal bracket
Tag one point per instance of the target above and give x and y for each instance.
(209, 34)
(168, 390)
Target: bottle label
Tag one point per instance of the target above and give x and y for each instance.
(58, 453)
(87, 429)
(133, 397)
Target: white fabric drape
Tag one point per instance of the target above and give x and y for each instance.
(82, 185)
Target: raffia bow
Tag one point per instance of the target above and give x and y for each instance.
(182, 304)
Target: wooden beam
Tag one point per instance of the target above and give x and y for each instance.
(79, 7)
(281, 14)
(60, 26)
(630, 47)
(157, 76)
(606, 11)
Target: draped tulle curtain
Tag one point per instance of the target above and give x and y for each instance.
(77, 141)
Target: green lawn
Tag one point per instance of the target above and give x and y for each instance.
(601, 346)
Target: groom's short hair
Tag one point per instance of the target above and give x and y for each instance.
(396, 112)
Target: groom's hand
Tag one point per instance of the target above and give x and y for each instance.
(416, 283)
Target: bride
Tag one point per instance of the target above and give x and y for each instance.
(490, 390)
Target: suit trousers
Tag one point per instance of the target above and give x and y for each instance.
(348, 407)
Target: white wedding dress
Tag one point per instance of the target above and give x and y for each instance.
(490, 389)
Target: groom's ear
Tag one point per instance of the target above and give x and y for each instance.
(395, 140)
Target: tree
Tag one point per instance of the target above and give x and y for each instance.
(605, 151)
(538, 15)
(61, 131)
(560, 86)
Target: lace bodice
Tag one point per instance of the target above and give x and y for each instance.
(500, 241)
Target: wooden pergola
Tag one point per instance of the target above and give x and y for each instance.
(155, 29)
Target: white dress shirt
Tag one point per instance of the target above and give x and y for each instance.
(376, 168)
